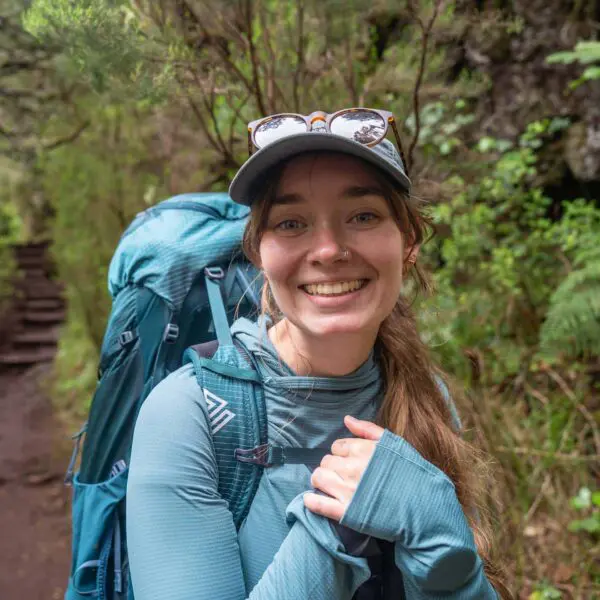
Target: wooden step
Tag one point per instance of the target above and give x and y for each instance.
(36, 337)
(50, 316)
(21, 252)
(33, 304)
(41, 290)
(33, 262)
(28, 358)
(30, 274)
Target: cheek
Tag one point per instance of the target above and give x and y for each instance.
(386, 254)
(277, 260)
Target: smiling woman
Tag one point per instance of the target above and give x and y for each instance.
(394, 510)
(327, 226)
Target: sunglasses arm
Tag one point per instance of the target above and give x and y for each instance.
(392, 122)
(250, 145)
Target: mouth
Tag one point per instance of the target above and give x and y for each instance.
(339, 288)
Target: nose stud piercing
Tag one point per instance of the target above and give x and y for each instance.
(346, 253)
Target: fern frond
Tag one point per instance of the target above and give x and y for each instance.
(572, 325)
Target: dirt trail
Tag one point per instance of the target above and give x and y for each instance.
(34, 523)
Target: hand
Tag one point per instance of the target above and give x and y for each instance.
(339, 472)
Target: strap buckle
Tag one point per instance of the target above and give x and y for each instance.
(171, 333)
(126, 338)
(263, 455)
(214, 272)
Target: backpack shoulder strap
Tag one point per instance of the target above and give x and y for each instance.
(233, 393)
(232, 388)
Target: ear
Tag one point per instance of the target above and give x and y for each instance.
(411, 253)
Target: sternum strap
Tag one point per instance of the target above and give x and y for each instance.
(272, 456)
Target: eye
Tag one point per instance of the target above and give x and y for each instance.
(364, 218)
(289, 225)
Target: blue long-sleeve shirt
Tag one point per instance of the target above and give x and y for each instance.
(181, 538)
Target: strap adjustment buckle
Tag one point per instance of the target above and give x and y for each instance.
(126, 337)
(171, 333)
(263, 455)
(214, 272)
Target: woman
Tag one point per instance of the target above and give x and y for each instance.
(335, 231)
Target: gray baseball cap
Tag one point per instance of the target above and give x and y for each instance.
(383, 155)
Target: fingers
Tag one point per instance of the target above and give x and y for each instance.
(322, 505)
(363, 429)
(352, 447)
(347, 469)
(333, 484)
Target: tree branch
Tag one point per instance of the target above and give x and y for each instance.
(69, 138)
(425, 34)
(236, 115)
(299, 54)
(253, 59)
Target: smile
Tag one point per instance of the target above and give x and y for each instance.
(334, 289)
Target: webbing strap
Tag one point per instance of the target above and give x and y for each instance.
(118, 566)
(217, 306)
(90, 564)
(76, 447)
(274, 456)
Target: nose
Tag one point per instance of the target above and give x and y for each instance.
(327, 246)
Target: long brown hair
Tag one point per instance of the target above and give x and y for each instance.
(414, 405)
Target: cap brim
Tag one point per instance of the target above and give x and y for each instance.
(249, 175)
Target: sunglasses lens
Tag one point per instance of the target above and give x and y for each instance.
(278, 127)
(362, 126)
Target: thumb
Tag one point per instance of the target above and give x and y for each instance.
(363, 429)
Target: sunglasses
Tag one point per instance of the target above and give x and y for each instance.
(367, 126)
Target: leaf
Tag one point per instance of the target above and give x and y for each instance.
(486, 144)
(591, 73)
(564, 58)
(591, 524)
(583, 499)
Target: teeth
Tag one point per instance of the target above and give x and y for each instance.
(332, 289)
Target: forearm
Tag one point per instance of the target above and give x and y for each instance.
(403, 498)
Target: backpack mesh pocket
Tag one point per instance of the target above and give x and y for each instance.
(98, 540)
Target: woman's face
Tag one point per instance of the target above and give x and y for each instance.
(332, 251)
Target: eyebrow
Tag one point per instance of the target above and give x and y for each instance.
(354, 191)
(284, 199)
(358, 191)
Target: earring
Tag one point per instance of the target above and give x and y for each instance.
(408, 264)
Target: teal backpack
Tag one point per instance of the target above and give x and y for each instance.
(177, 278)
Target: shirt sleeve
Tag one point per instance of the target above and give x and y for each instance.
(182, 541)
(403, 498)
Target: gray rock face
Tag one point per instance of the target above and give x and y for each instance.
(511, 53)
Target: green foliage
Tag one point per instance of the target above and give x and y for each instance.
(572, 326)
(546, 592)
(75, 371)
(587, 502)
(441, 125)
(95, 187)
(106, 44)
(10, 230)
(586, 53)
(502, 284)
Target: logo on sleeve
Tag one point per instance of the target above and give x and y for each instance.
(218, 414)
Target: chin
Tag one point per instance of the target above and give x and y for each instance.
(338, 326)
